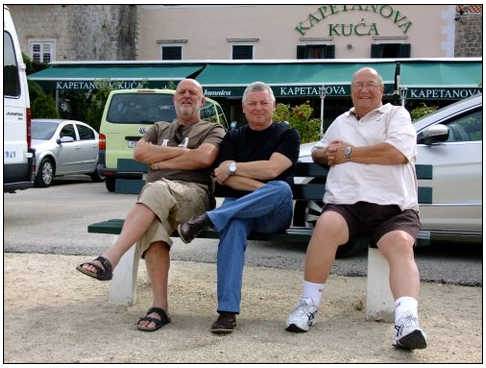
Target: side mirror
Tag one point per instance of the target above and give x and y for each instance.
(65, 139)
(433, 134)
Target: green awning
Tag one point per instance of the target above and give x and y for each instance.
(84, 76)
(288, 79)
(444, 80)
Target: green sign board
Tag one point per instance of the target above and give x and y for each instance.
(286, 91)
(441, 93)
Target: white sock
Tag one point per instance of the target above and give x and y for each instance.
(405, 306)
(313, 291)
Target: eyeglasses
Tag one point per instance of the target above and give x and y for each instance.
(362, 85)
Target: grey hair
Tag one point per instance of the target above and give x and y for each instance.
(258, 87)
(380, 79)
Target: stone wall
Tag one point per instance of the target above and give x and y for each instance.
(80, 32)
(469, 35)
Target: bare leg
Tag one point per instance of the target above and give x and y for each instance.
(157, 259)
(397, 248)
(331, 231)
(137, 222)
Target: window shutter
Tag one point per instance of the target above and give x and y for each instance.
(36, 52)
(330, 52)
(301, 51)
(405, 50)
(376, 51)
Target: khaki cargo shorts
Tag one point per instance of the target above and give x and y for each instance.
(173, 202)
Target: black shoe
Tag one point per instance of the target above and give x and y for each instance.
(189, 230)
(225, 324)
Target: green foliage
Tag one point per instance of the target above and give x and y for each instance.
(422, 110)
(35, 90)
(44, 106)
(33, 66)
(299, 118)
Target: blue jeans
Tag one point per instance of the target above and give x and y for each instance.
(267, 210)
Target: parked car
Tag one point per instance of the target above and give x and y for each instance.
(64, 147)
(450, 139)
(127, 115)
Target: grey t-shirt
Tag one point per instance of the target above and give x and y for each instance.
(191, 136)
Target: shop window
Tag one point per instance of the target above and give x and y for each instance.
(42, 51)
(390, 50)
(171, 52)
(241, 52)
(315, 52)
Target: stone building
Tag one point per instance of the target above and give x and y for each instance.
(191, 32)
(469, 31)
(49, 33)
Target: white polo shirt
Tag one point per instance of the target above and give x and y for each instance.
(351, 182)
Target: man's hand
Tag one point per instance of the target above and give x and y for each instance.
(222, 171)
(335, 152)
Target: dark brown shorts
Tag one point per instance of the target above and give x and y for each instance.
(374, 220)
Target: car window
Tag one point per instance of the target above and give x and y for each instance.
(208, 112)
(141, 108)
(44, 130)
(466, 128)
(85, 133)
(222, 117)
(68, 131)
(11, 83)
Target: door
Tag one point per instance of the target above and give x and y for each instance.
(69, 152)
(88, 148)
(457, 176)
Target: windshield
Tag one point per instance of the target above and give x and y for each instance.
(141, 108)
(43, 130)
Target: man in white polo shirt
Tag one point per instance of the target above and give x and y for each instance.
(371, 190)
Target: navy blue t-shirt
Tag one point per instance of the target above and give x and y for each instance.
(244, 144)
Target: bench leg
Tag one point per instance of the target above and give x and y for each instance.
(379, 299)
(123, 286)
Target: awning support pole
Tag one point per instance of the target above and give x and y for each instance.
(322, 95)
(403, 95)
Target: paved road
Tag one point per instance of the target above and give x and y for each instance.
(55, 219)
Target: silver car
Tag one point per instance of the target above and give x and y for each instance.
(64, 147)
(450, 139)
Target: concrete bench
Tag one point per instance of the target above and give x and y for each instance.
(379, 302)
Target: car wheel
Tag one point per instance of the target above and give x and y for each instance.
(45, 174)
(110, 184)
(306, 214)
(95, 176)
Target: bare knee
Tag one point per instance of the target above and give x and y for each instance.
(397, 245)
(332, 226)
(156, 252)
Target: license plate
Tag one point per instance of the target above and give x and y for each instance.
(131, 144)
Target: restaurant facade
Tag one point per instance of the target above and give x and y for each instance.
(305, 52)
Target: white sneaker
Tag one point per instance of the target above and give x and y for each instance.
(303, 316)
(409, 335)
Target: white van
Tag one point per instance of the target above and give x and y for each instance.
(18, 157)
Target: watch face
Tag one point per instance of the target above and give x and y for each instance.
(232, 167)
(347, 151)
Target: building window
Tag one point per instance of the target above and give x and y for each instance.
(315, 52)
(171, 52)
(240, 52)
(390, 50)
(42, 51)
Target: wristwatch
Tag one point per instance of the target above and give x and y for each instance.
(232, 168)
(347, 153)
